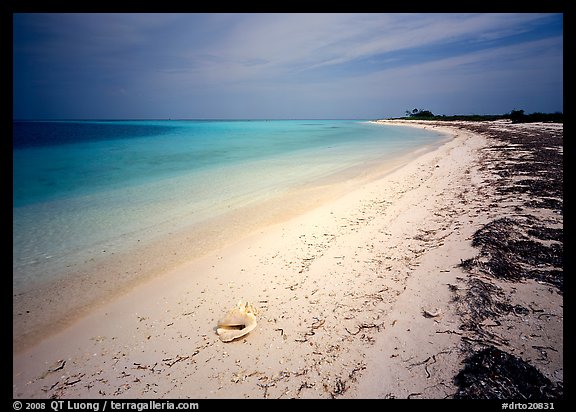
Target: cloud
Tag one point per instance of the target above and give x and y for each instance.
(174, 58)
(310, 41)
(282, 42)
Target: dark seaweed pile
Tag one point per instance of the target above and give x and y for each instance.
(526, 167)
(529, 166)
(534, 167)
(494, 374)
(511, 249)
(484, 300)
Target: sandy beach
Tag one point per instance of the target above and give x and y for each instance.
(387, 291)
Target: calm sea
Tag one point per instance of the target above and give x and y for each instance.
(80, 187)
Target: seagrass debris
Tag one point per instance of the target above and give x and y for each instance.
(494, 374)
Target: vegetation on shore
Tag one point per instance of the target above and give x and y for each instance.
(517, 116)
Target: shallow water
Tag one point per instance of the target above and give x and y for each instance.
(84, 188)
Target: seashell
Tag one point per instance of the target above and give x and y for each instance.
(431, 313)
(239, 321)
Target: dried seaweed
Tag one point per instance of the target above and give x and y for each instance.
(512, 249)
(527, 170)
(494, 374)
(482, 301)
(534, 156)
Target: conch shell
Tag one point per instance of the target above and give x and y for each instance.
(238, 322)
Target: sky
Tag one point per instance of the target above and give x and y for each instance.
(284, 65)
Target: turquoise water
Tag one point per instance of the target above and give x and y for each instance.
(84, 186)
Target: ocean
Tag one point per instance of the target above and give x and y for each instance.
(83, 190)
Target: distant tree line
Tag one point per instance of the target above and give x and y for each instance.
(419, 114)
(517, 116)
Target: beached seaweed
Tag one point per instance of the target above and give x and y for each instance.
(527, 169)
(488, 372)
(529, 163)
(513, 249)
(483, 300)
(494, 374)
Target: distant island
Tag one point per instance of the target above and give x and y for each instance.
(517, 116)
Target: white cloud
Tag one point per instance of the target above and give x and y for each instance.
(304, 59)
(305, 41)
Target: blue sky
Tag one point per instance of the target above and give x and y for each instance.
(284, 65)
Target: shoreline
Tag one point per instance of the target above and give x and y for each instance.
(101, 279)
(340, 289)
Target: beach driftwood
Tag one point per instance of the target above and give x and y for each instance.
(239, 321)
